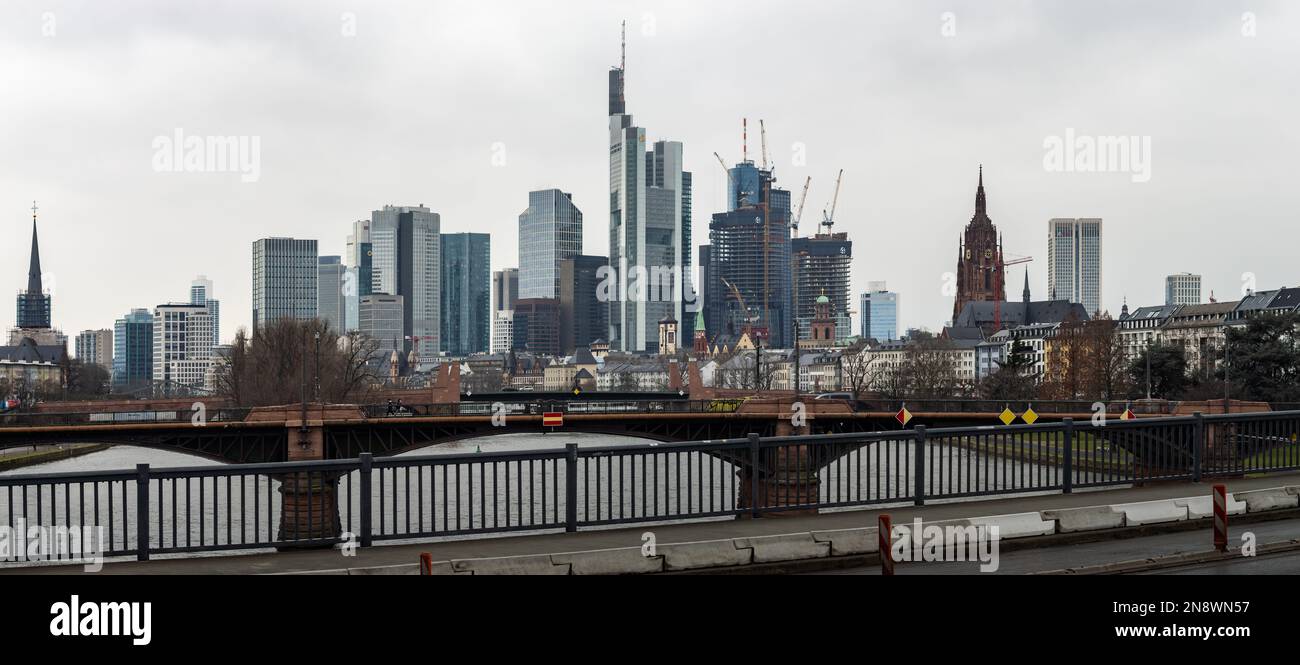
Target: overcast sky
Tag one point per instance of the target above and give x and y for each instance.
(360, 104)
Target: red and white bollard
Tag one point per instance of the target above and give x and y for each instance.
(1221, 518)
(886, 540)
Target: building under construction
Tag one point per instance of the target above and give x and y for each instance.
(820, 266)
(747, 261)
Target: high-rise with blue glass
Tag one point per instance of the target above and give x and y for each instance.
(466, 294)
(879, 313)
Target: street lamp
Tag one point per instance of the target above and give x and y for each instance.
(317, 366)
(1148, 368)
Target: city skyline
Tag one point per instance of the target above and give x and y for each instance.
(907, 187)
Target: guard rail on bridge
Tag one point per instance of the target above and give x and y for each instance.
(146, 511)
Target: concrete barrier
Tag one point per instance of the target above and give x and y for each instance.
(1016, 525)
(1203, 506)
(399, 569)
(847, 542)
(787, 547)
(532, 564)
(704, 554)
(1275, 498)
(1092, 518)
(1152, 512)
(620, 561)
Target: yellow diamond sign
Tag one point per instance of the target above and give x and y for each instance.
(1127, 415)
(1029, 416)
(1007, 416)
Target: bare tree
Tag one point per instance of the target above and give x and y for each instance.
(269, 368)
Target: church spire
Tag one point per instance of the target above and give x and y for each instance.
(1025, 294)
(34, 270)
(979, 194)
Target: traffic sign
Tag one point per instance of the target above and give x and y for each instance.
(1029, 416)
(1007, 416)
(903, 416)
(552, 419)
(1127, 415)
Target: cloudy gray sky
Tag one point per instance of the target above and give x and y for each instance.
(412, 106)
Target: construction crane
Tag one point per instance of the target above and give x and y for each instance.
(762, 130)
(829, 219)
(999, 278)
(794, 225)
(749, 318)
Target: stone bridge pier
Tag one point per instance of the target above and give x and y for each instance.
(309, 507)
(788, 475)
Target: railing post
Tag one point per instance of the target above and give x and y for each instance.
(753, 475)
(918, 480)
(367, 464)
(1197, 445)
(1067, 485)
(571, 487)
(142, 512)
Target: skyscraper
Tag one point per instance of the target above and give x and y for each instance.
(284, 280)
(879, 313)
(133, 351)
(380, 318)
(820, 266)
(1183, 289)
(550, 230)
(201, 293)
(466, 306)
(537, 326)
(583, 317)
(182, 347)
(649, 228)
(332, 304)
(359, 278)
(1074, 262)
(406, 254)
(980, 270)
(749, 283)
(505, 289)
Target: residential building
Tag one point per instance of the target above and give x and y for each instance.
(1199, 331)
(182, 348)
(1183, 289)
(95, 347)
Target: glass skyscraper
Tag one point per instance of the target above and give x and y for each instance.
(1074, 262)
(133, 351)
(879, 313)
(550, 231)
(284, 280)
(405, 256)
(466, 298)
(332, 306)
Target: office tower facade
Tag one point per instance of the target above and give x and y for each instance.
(819, 265)
(505, 289)
(550, 230)
(182, 347)
(331, 302)
(649, 228)
(879, 313)
(1183, 289)
(380, 317)
(466, 297)
(359, 277)
(284, 280)
(133, 351)
(405, 243)
(503, 331)
(750, 284)
(537, 326)
(95, 347)
(201, 293)
(980, 269)
(583, 317)
(1074, 262)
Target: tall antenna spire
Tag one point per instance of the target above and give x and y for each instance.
(744, 139)
(622, 61)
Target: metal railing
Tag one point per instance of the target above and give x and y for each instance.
(175, 510)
